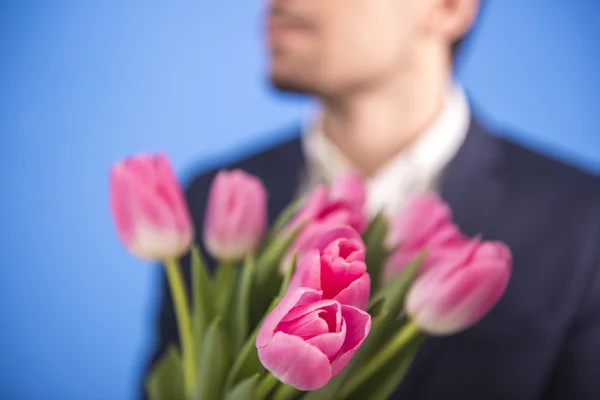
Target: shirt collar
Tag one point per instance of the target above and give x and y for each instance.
(416, 168)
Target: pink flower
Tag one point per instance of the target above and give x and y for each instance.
(458, 293)
(306, 340)
(336, 267)
(236, 215)
(149, 208)
(343, 203)
(425, 224)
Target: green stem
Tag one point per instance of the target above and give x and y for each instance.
(266, 386)
(286, 392)
(242, 322)
(389, 350)
(182, 312)
(225, 281)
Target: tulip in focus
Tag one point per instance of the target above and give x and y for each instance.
(236, 215)
(336, 267)
(458, 293)
(306, 340)
(149, 208)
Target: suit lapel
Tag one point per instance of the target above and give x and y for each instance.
(472, 183)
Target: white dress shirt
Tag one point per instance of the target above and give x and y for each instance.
(415, 169)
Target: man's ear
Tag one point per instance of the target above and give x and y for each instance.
(452, 19)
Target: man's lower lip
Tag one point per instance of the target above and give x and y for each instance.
(279, 32)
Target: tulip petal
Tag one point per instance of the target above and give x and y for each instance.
(421, 217)
(357, 293)
(142, 167)
(330, 343)
(334, 318)
(305, 326)
(335, 232)
(171, 193)
(308, 271)
(293, 298)
(350, 188)
(295, 362)
(337, 274)
(313, 205)
(346, 248)
(398, 261)
(358, 326)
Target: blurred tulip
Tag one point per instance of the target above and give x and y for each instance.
(306, 340)
(425, 224)
(457, 293)
(149, 208)
(236, 215)
(342, 203)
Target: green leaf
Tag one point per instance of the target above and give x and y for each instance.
(266, 387)
(394, 291)
(270, 260)
(225, 283)
(241, 323)
(280, 223)
(247, 363)
(286, 392)
(287, 214)
(376, 307)
(244, 390)
(214, 362)
(268, 276)
(165, 381)
(203, 297)
(377, 252)
(382, 384)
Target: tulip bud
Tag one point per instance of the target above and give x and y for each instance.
(452, 297)
(236, 215)
(149, 208)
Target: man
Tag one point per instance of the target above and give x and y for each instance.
(382, 71)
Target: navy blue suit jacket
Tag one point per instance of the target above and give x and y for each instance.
(542, 341)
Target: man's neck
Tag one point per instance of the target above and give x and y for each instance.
(371, 127)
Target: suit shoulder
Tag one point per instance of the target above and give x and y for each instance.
(256, 160)
(550, 176)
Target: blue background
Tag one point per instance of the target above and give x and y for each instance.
(85, 83)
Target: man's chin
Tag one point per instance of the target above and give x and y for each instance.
(291, 86)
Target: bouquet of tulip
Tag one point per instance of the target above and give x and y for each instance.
(324, 304)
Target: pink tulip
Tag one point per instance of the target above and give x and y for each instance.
(343, 203)
(318, 235)
(149, 208)
(425, 224)
(336, 267)
(236, 215)
(306, 340)
(458, 293)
